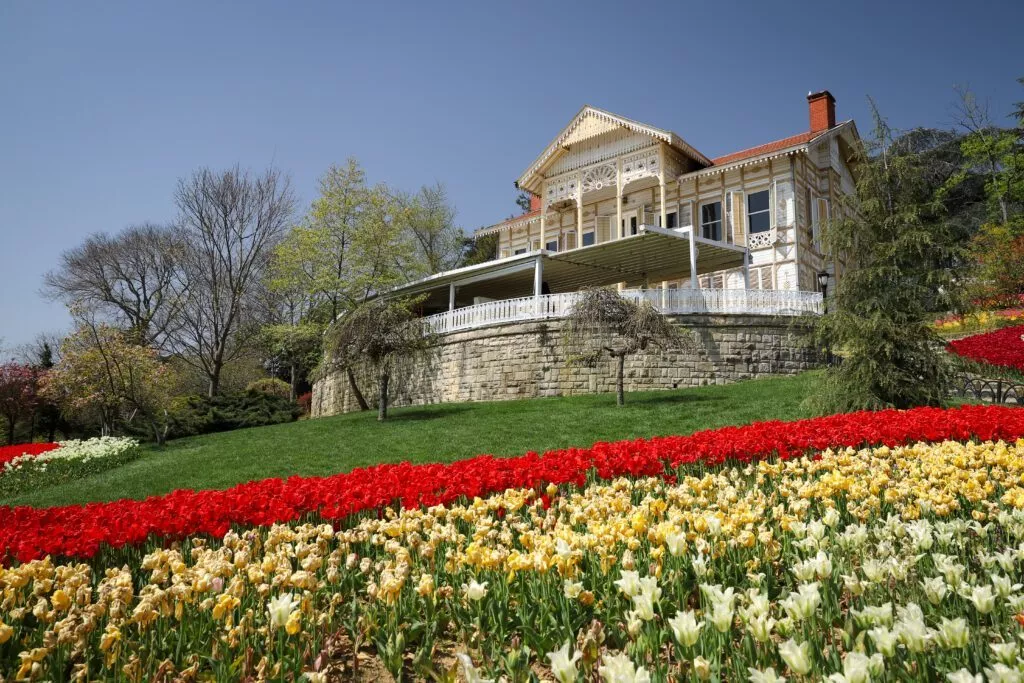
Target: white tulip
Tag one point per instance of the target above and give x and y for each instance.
(279, 609)
(475, 591)
(766, 676)
(619, 669)
(797, 656)
(685, 628)
(629, 583)
(562, 665)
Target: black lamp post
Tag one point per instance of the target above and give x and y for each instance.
(823, 286)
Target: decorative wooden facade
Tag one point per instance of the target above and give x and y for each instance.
(604, 177)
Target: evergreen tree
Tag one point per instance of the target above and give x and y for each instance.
(898, 246)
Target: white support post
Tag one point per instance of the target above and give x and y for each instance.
(579, 205)
(618, 198)
(796, 221)
(538, 281)
(693, 258)
(661, 184)
(451, 296)
(543, 212)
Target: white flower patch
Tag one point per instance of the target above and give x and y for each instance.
(74, 450)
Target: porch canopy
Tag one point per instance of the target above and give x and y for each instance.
(648, 257)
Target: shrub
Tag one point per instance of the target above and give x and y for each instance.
(203, 415)
(271, 386)
(305, 402)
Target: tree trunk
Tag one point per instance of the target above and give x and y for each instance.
(158, 434)
(620, 371)
(293, 383)
(10, 430)
(214, 386)
(382, 400)
(358, 395)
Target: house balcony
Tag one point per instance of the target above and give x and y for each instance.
(669, 302)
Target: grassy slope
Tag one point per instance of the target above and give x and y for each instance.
(430, 433)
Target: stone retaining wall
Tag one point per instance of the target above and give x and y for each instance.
(527, 360)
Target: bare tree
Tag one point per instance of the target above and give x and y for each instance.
(229, 223)
(130, 279)
(604, 321)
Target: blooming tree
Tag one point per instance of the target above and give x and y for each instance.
(19, 394)
(103, 376)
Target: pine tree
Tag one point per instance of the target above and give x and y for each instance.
(898, 248)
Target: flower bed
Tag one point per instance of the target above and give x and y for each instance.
(888, 562)
(956, 325)
(81, 530)
(65, 461)
(8, 453)
(1003, 347)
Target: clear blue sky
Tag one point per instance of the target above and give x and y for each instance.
(104, 105)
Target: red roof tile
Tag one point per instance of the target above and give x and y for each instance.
(528, 214)
(798, 139)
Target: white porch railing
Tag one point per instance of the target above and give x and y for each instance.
(671, 301)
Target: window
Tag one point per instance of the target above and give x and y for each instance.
(551, 245)
(570, 240)
(759, 214)
(517, 252)
(588, 238)
(711, 220)
(672, 218)
(629, 225)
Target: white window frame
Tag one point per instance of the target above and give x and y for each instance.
(720, 221)
(750, 193)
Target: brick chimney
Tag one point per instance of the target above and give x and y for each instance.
(822, 109)
(534, 203)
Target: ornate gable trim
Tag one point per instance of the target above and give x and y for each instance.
(590, 122)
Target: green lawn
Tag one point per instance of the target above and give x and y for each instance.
(429, 433)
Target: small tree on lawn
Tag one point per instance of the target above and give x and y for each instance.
(899, 246)
(18, 394)
(295, 348)
(378, 332)
(602, 321)
(103, 375)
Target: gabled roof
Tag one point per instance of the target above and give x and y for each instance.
(589, 122)
(767, 148)
(788, 145)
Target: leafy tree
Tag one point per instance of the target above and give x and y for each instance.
(104, 375)
(19, 395)
(437, 241)
(898, 244)
(294, 348)
(357, 242)
(230, 222)
(603, 321)
(480, 249)
(316, 258)
(998, 254)
(995, 153)
(378, 332)
(523, 201)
